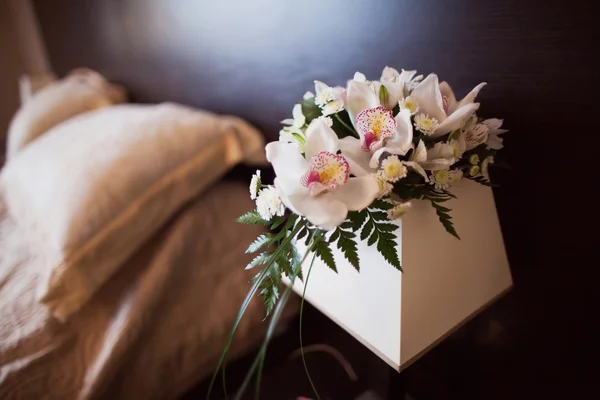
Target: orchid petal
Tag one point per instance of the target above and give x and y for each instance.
(320, 87)
(357, 193)
(403, 136)
(323, 210)
(319, 137)
(360, 97)
(470, 98)
(285, 186)
(396, 93)
(360, 77)
(286, 160)
(440, 150)
(493, 123)
(428, 96)
(436, 165)
(418, 169)
(297, 112)
(357, 158)
(455, 120)
(389, 74)
(420, 153)
(374, 162)
(494, 142)
(407, 76)
(446, 90)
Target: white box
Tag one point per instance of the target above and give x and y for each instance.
(446, 281)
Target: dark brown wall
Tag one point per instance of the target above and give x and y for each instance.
(10, 70)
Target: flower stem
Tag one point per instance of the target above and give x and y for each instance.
(312, 385)
(345, 125)
(259, 279)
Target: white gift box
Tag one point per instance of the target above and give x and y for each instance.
(446, 281)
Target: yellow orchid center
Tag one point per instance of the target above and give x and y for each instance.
(374, 125)
(326, 171)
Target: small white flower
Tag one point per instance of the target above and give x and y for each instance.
(385, 187)
(409, 104)
(445, 178)
(474, 170)
(474, 159)
(324, 94)
(426, 124)
(299, 119)
(255, 185)
(392, 169)
(268, 203)
(308, 95)
(475, 135)
(399, 210)
(333, 107)
(455, 176)
(328, 121)
(485, 167)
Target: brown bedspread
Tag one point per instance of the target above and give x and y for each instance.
(152, 331)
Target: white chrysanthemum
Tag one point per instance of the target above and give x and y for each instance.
(255, 185)
(426, 124)
(474, 170)
(308, 95)
(392, 169)
(268, 203)
(333, 107)
(409, 104)
(445, 178)
(399, 210)
(455, 176)
(474, 159)
(328, 121)
(323, 96)
(385, 187)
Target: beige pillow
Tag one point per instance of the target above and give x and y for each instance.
(93, 189)
(81, 91)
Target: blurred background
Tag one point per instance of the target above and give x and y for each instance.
(254, 60)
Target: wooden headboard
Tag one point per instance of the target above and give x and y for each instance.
(256, 58)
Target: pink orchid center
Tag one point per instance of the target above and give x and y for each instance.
(445, 103)
(374, 125)
(326, 171)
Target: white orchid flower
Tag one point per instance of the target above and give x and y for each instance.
(294, 131)
(398, 84)
(437, 101)
(379, 131)
(318, 185)
(329, 99)
(494, 141)
(298, 120)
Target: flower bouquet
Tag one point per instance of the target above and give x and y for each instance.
(348, 164)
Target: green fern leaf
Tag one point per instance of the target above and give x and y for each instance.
(262, 241)
(381, 205)
(252, 218)
(348, 247)
(366, 230)
(260, 259)
(324, 253)
(388, 250)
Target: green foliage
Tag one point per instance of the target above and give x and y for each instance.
(252, 218)
(347, 245)
(310, 109)
(482, 181)
(260, 242)
(445, 218)
(324, 253)
(379, 231)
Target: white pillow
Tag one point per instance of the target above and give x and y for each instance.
(94, 188)
(81, 91)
